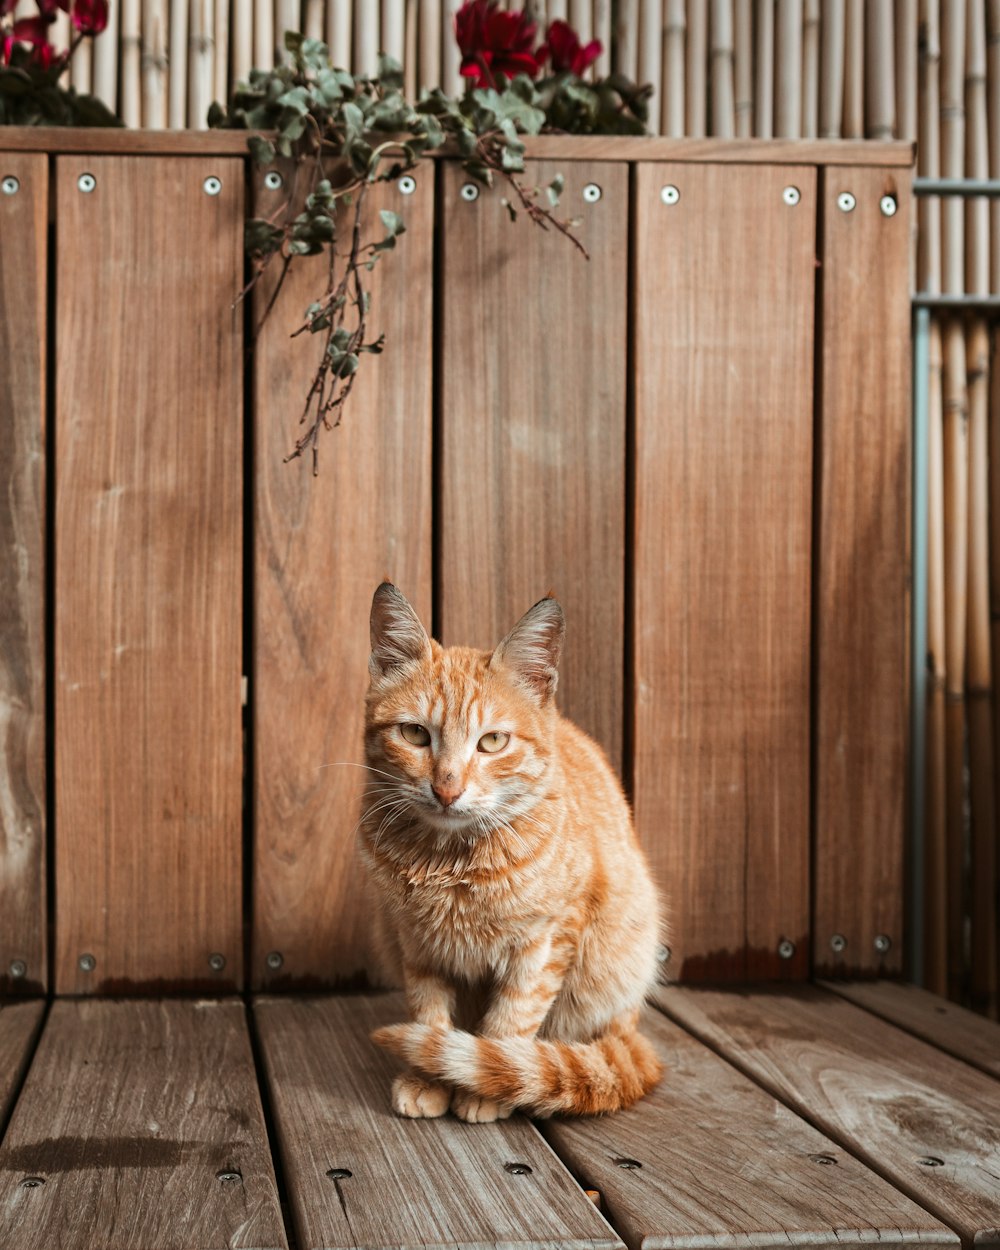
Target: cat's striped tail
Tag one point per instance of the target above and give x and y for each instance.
(575, 1078)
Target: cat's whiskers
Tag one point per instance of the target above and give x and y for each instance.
(367, 767)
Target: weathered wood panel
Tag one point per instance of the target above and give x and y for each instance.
(862, 573)
(409, 1182)
(709, 1159)
(926, 1122)
(19, 1025)
(724, 294)
(533, 362)
(951, 1028)
(143, 1122)
(148, 621)
(321, 546)
(23, 273)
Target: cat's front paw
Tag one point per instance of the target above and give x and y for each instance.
(419, 1099)
(474, 1109)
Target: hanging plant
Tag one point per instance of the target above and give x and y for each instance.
(345, 133)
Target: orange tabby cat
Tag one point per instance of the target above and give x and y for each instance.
(514, 896)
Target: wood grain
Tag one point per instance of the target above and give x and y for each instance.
(723, 1164)
(19, 1027)
(321, 546)
(951, 1028)
(862, 574)
(23, 319)
(148, 622)
(533, 429)
(723, 494)
(412, 1183)
(129, 1113)
(926, 1122)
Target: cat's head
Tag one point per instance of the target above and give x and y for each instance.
(461, 738)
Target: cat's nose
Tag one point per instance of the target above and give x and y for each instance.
(447, 793)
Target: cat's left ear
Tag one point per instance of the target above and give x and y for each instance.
(532, 649)
(397, 636)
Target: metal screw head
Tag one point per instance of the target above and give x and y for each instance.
(274, 960)
(216, 962)
(838, 943)
(630, 1165)
(18, 968)
(930, 1161)
(86, 183)
(10, 185)
(32, 1182)
(517, 1169)
(592, 193)
(883, 943)
(228, 1177)
(786, 949)
(407, 185)
(846, 202)
(212, 185)
(791, 196)
(339, 1174)
(87, 963)
(669, 194)
(823, 1160)
(272, 180)
(888, 205)
(469, 191)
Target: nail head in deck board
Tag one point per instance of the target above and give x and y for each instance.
(129, 1112)
(19, 1025)
(148, 531)
(413, 1183)
(888, 1097)
(24, 218)
(321, 546)
(724, 297)
(724, 1164)
(862, 573)
(533, 429)
(962, 1033)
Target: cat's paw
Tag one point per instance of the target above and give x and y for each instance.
(419, 1099)
(474, 1109)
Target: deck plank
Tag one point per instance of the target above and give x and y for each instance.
(129, 1112)
(724, 1164)
(413, 1183)
(19, 1024)
(927, 1122)
(950, 1028)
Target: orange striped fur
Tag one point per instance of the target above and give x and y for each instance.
(515, 904)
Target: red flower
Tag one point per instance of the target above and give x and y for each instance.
(568, 55)
(6, 47)
(494, 41)
(33, 30)
(90, 16)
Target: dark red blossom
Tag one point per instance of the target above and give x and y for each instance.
(568, 55)
(90, 16)
(495, 41)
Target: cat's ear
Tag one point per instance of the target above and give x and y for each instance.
(398, 638)
(532, 648)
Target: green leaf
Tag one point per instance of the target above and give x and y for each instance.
(390, 72)
(261, 149)
(555, 189)
(392, 222)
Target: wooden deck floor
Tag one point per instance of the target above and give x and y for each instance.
(817, 1116)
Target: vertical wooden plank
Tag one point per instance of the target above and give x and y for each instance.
(321, 546)
(533, 428)
(724, 292)
(24, 199)
(149, 431)
(862, 575)
(143, 1123)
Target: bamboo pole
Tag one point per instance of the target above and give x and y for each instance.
(154, 65)
(313, 18)
(695, 66)
(788, 59)
(62, 35)
(81, 68)
(177, 46)
(993, 137)
(993, 102)
(263, 34)
(451, 58)
(241, 41)
(201, 62)
(106, 60)
(581, 19)
(131, 63)
(339, 27)
(723, 69)
(651, 25)
(429, 44)
(626, 44)
(220, 74)
(743, 72)
(286, 17)
(906, 69)
(602, 32)
(810, 69)
(393, 40)
(411, 83)
(831, 83)
(558, 10)
(853, 120)
(879, 66)
(674, 27)
(763, 83)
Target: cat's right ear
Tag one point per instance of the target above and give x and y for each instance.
(398, 638)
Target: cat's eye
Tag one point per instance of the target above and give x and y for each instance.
(415, 735)
(493, 742)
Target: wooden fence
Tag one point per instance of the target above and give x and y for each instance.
(699, 440)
